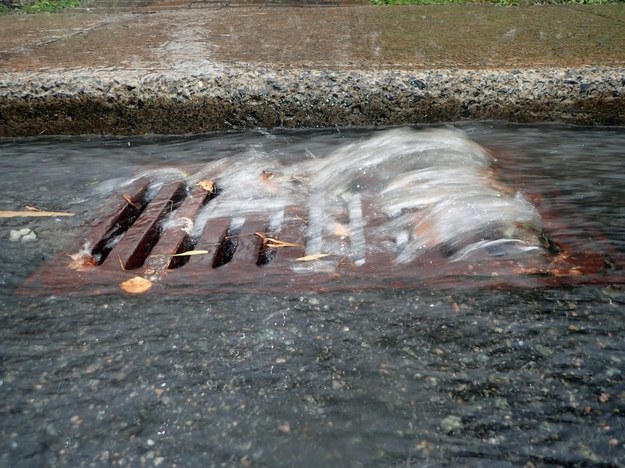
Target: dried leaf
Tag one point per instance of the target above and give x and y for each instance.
(207, 185)
(130, 202)
(270, 184)
(275, 243)
(191, 252)
(136, 285)
(312, 258)
(33, 214)
(81, 261)
(341, 230)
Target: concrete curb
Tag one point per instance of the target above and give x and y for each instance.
(222, 97)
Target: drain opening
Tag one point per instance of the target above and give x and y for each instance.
(227, 247)
(189, 243)
(154, 231)
(266, 254)
(134, 207)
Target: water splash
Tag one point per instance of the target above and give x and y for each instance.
(401, 192)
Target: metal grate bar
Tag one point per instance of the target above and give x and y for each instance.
(380, 249)
(214, 231)
(176, 239)
(249, 245)
(293, 230)
(126, 208)
(356, 230)
(135, 245)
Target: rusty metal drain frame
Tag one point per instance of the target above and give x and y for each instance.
(130, 243)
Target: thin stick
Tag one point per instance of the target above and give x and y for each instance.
(33, 214)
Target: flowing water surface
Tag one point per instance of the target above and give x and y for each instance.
(422, 377)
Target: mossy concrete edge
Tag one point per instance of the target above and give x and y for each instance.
(226, 97)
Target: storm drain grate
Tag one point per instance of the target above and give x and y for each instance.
(245, 255)
(177, 237)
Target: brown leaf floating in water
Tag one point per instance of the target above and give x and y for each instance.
(136, 285)
(275, 243)
(207, 185)
(130, 202)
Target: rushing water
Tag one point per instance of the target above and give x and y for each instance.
(420, 191)
(392, 377)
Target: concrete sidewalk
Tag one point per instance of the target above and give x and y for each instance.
(180, 67)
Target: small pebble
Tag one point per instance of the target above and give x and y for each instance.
(284, 428)
(22, 235)
(451, 424)
(30, 237)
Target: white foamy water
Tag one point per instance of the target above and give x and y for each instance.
(400, 191)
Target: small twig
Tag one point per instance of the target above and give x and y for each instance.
(33, 214)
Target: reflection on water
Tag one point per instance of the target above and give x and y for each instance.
(393, 377)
